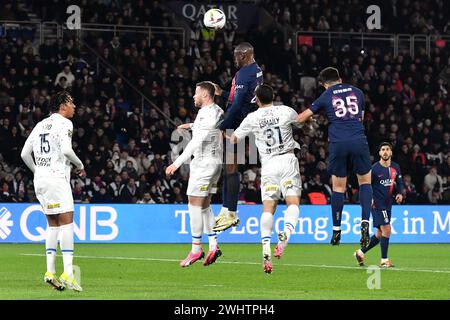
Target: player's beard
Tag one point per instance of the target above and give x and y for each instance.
(386, 158)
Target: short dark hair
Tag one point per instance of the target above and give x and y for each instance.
(329, 74)
(208, 86)
(59, 99)
(383, 144)
(264, 93)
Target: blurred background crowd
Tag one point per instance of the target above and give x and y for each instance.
(125, 142)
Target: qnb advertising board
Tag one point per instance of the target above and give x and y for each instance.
(113, 223)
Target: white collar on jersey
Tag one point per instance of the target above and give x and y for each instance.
(56, 114)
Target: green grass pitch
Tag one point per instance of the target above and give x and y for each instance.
(144, 271)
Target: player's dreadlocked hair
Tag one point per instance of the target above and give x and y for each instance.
(58, 99)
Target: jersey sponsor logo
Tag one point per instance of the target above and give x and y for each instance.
(43, 162)
(270, 188)
(53, 205)
(268, 122)
(387, 182)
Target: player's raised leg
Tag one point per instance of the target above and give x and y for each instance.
(224, 210)
(290, 222)
(360, 253)
(66, 244)
(337, 205)
(365, 199)
(228, 217)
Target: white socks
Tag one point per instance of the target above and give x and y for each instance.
(208, 224)
(290, 219)
(196, 221)
(66, 244)
(266, 231)
(223, 211)
(51, 245)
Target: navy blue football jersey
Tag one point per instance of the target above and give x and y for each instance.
(240, 99)
(384, 181)
(343, 105)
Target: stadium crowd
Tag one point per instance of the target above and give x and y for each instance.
(126, 144)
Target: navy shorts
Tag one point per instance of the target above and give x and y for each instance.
(381, 217)
(349, 155)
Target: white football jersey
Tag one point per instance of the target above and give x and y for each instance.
(206, 140)
(272, 127)
(49, 139)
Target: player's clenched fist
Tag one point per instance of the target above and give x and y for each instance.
(81, 173)
(171, 170)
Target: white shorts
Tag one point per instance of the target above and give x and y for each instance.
(280, 176)
(203, 178)
(54, 195)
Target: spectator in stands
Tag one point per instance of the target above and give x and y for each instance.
(399, 90)
(127, 193)
(433, 185)
(146, 198)
(68, 75)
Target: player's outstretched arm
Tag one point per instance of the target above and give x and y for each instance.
(185, 126)
(304, 116)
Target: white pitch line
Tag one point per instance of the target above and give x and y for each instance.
(248, 263)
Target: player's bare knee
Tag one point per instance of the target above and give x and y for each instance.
(339, 183)
(52, 220)
(386, 231)
(197, 201)
(378, 233)
(292, 200)
(65, 218)
(269, 206)
(365, 178)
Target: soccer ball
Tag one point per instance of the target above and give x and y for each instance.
(214, 19)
